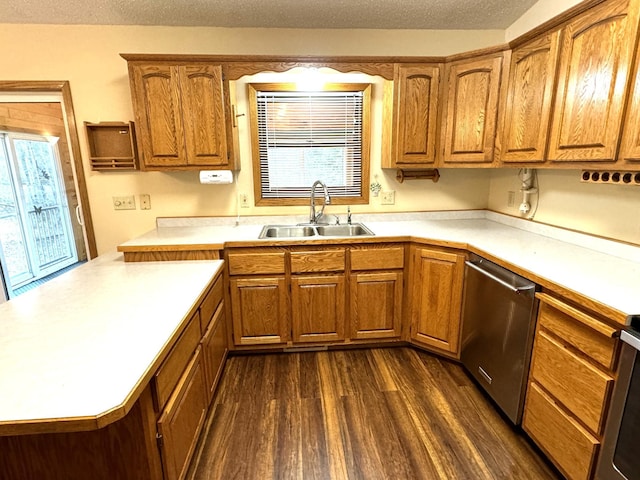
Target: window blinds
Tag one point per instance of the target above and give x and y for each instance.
(309, 136)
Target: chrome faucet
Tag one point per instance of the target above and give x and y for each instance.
(313, 217)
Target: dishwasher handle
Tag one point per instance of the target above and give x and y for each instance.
(517, 290)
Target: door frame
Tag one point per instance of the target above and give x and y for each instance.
(63, 87)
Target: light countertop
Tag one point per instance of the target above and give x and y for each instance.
(605, 271)
(79, 346)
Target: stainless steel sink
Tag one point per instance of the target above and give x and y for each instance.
(278, 231)
(297, 231)
(353, 230)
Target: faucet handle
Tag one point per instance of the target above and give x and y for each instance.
(349, 215)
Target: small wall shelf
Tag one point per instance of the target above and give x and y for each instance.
(112, 146)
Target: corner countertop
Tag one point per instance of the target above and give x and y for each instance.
(595, 269)
(82, 347)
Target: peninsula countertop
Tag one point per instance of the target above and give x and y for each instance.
(604, 271)
(80, 348)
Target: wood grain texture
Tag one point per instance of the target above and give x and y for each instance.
(214, 350)
(256, 263)
(437, 299)
(210, 303)
(415, 115)
(318, 308)
(358, 414)
(525, 121)
(372, 258)
(182, 420)
(472, 95)
(591, 341)
(595, 59)
(260, 310)
(572, 448)
(583, 389)
(125, 450)
(204, 115)
(171, 369)
(169, 256)
(376, 305)
(318, 261)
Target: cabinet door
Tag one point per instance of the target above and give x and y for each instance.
(203, 114)
(437, 299)
(158, 112)
(595, 59)
(376, 305)
(416, 115)
(259, 310)
(214, 350)
(318, 308)
(525, 123)
(630, 150)
(182, 420)
(472, 110)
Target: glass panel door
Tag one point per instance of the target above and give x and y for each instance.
(42, 240)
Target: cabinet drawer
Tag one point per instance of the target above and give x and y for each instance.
(567, 443)
(318, 261)
(578, 385)
(587, 334)
(255, 263)
(377, 258)
(182, 420)
(171, 369)
(210, 304)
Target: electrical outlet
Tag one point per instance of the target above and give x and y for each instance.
(244, 200)
(388, 197)
(127, 202)
(145, 201)
(511, 199)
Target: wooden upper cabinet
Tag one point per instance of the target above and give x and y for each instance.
(472, 95)
(595, 58)
(180, 115)
(415, 115)
(525, 122)
(629, 155)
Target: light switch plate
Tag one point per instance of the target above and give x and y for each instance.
(145, 201)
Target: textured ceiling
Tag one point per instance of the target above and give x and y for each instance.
(379, 14)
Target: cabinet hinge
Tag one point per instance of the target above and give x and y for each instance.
(159, 439)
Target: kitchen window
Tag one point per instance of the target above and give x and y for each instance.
(299, 137)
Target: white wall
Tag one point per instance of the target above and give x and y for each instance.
(88, 56)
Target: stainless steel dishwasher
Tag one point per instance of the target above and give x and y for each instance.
(497, 332)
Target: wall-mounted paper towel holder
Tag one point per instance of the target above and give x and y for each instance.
(216, 177)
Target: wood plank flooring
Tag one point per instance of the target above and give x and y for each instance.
(394, 413)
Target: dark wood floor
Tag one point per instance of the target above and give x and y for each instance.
(358, 414)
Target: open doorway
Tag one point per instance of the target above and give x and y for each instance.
(45, 222)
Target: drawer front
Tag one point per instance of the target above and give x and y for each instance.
(172, 368)
(560, 319)
(377, 258)
(319, 261)
(255, 263)
(181, 422)
(572, 448)
(210, 304)
(578, 385)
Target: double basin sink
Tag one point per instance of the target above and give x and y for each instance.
(296, 231)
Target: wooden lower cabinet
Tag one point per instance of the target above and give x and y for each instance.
(260, 310)
(180, 423)
(318, 308)
(437, 281)
(570, 383)
(376, 305)
(215, 349)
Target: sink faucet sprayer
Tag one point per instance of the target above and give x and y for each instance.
(313, 218)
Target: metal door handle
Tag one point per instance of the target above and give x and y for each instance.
(499, 280)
